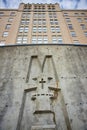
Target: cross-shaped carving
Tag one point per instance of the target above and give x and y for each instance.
(42, 82)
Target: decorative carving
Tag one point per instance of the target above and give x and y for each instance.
(43, 100)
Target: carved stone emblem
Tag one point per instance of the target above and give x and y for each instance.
(42, 101)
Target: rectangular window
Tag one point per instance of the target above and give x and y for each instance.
(76, 14)
(85, 19)
(85, 33)
(21, 29)
(44, 29)
(45, 40)
(60, 40)
(21, 40)
(2, 43)
(1, 13)
(39, 29)
(57, 29)
(24, 40)
(8, 26)
(34, 40)
(26, 29)
(54, 40)
(70, 26)
(10, 19)
(12, 14)
(22, 21)
(73, 34)
(79, 20)
(68, 20)
(34, 29)
(5, 34)
(76, 41)
(83, 26)
(65, 14)
(82, 14)
(39, 40)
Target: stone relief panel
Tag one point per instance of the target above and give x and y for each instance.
(43, 106)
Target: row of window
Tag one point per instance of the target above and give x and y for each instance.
(39, 22)
(24, 21)
(21, 40)
(40, 14)
(54, 29)
(11, 14)
(57, 39)
(39, 7)
(39, 40)
(79, 20)
(25, 42)
(72, 33)
(39, 29)
(83, 26)
(26, 15)
(10, 19)
(23, 29)
(76, 14)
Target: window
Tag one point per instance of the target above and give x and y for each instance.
(53, 29)
(21, 29)
(57, 39)
(5, 34)
(76, 14)
(26, 10)
(73, 34)
(10, 19)
(12, 14)
(68, 20)
(8, 26)
(85, 33)
(26, 29)
(1, 13)
(39, 40)
(83, 26)
(57, 29)
(2, 43)
(79, 20)
(45, 40)
(39, 29)
(34, 40)
(65, 14)
(24, 21)
(21, 40)
(54, 40)
(40, 22)
(44, 29)
(82, 14)
(76, 41)
(24, 40)
(60, 40)
(70, 26)
(85, 19)
(34, 29)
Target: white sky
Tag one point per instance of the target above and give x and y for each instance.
(66, 4)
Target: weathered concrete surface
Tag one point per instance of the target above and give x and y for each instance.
(43, 88)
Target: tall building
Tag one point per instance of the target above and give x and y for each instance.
(43, 81)
(42, 24)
